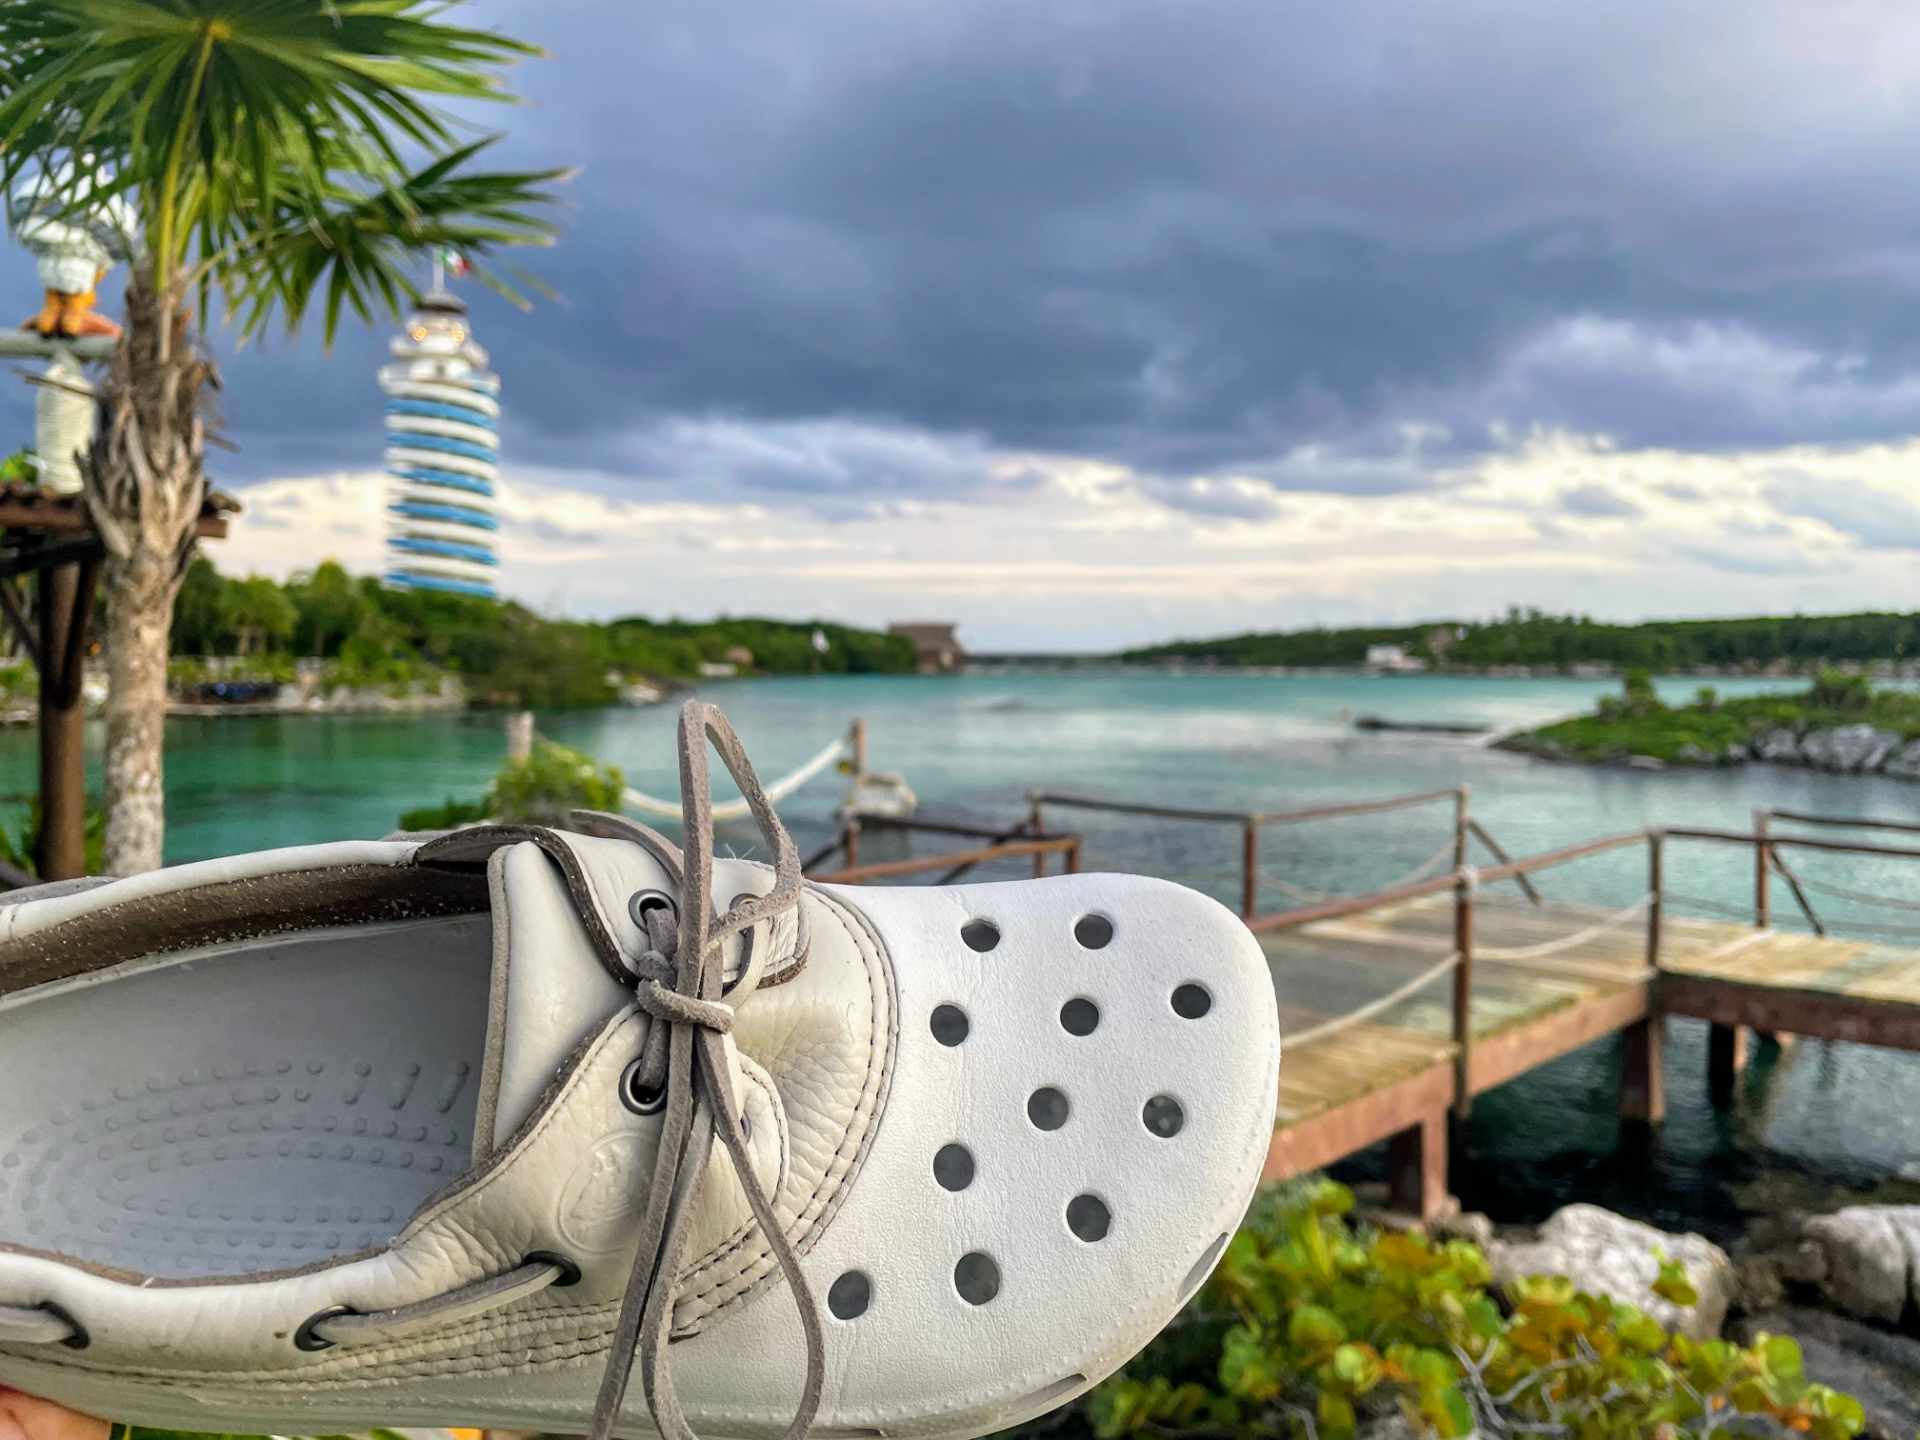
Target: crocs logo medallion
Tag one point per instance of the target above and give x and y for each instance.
(604, 1193)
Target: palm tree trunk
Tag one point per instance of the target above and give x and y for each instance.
(139, 615)
(145, 485)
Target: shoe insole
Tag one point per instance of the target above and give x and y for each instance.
(261, 1106)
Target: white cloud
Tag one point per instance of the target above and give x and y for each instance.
(1078, 553)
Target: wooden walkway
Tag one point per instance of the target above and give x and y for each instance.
(1534, 997)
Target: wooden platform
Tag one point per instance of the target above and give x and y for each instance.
(1836, 989)
(1397, 1074)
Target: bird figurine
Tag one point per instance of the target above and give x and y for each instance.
(75, 236)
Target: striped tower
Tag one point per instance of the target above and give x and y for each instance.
(443, 418)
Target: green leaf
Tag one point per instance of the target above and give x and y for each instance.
(1314, 1328)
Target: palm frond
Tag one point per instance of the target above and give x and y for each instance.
(266, 144)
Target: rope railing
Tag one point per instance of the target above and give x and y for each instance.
(1364, 1013)
(737, 809)
(1566, 942)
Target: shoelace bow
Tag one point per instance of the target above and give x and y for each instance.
(684, 1061)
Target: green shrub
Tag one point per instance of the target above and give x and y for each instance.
(1636, 689)
(1310, 1324)
(1838, 691)
(551, 781)
(444, 816)
(1706, 698)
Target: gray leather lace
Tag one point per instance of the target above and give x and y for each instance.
(684, 1054)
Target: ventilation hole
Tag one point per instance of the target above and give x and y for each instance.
(1093, 931)
(980, 935)
(1080, 1016)
(1047, 1108)
(949, 1024)
(977, 1278)
(1089, 1218)
(1191, 1001)
(1202, 1268)
(1163, 1115)
(849, 1296)
(953, 1167)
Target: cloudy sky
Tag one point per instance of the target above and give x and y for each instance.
(1097, 321)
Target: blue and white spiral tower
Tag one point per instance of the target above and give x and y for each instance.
(443, 440)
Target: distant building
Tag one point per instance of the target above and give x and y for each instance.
(936, 648)
(1393, 658)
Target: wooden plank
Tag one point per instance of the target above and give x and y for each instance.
(1338, 1132)
(1519, 1048)
(1797, 1010)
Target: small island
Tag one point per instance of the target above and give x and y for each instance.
(1841, 724)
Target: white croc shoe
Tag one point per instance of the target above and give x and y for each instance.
(467, 1132)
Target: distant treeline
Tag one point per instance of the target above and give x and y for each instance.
(503, 651)
(1534, 638)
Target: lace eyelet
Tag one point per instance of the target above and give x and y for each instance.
(569, 1272)
(306, 1339)
(637, 1097)
(642, 901)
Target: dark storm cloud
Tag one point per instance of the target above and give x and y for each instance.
(1225, 235)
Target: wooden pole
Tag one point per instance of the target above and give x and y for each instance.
(1762, 896)
(65, 605)
(1460, 823)
(1643, 1095)
(857, 736)
(1250, 867)
(519, 737)
(1463, 997)
(1417, 1168)
(851, 837)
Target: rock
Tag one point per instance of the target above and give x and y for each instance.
(1691, 754)
(1872, 1257)
(1879, 1370)
(1904, 763)
(1735, 755)
(1645, 762)
(1848, 748)
(1469, 1225)
(1781, 746)
(1608, 1254)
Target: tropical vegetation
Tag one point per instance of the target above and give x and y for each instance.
(1525, 637)
(1312, 1325)
(1637, 723)
(273, 155)
(373, 635)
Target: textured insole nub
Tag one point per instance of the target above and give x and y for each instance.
(253, 1107)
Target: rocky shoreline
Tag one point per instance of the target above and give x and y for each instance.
(1845, 1285)
(1837, 749)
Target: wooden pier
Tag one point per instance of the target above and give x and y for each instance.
(1398, 1007)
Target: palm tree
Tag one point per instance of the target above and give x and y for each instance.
(272, 152)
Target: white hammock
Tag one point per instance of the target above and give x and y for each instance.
(737, 809)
